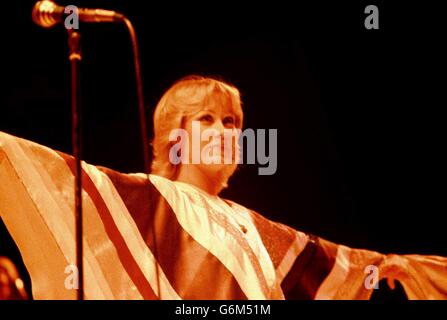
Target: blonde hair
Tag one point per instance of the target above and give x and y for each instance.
(184, 98)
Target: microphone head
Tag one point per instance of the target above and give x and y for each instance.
(46, 13)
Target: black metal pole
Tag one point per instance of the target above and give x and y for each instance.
(144, 134)
(74, 38)
(140, 96)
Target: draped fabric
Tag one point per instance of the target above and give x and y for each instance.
(146, 237)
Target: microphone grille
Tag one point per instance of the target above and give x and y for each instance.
(46, 13)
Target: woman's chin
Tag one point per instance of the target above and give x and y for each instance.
(219, 167)
(219, 162)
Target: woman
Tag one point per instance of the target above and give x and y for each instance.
(279, 261)
(168, 234)
(207, 107)
(214, 106)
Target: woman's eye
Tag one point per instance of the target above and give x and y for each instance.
(207, 118)
(228, 121)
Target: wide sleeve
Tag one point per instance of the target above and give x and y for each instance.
(310, 267)
(37, 207)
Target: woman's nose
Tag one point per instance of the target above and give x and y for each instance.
(219, 126)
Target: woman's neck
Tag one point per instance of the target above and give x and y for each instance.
(192, 175)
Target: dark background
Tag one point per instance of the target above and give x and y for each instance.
(358, 112)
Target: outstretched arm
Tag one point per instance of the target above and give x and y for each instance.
(310, 267)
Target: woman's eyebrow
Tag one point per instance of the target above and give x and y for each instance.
(206, 111)
(200, 112)
(231, 115)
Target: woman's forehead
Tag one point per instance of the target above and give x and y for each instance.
(219, 107)
(220, 103)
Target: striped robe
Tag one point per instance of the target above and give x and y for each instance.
(146, 237)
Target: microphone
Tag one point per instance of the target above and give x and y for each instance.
(46, 14)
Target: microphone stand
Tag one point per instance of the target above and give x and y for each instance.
(46, 14)
(144, 137)
(75, 57)
(74, 38)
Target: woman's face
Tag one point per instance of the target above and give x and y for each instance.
(213, 139)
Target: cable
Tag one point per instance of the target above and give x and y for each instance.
(143, 128)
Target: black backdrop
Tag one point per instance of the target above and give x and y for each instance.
(358, 112)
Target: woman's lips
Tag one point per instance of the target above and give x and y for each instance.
(219, 149)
